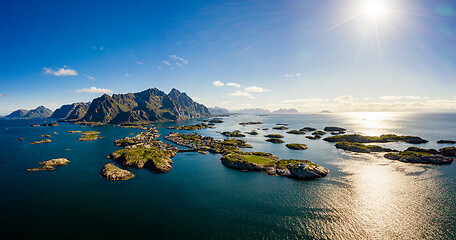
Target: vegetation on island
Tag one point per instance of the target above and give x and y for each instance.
(280, 128)
(153, 158)
(297, 132)
(275, 140)
(233, 134)
(250, 123)
(270, 164)
(191, 127)
(274, 136)
(320, 133)
(89, 136)
(334, 129)
(361, 148)
(419, 157)
(372, 139)
(296, 146)
(307, 129)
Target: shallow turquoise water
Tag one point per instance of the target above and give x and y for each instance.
(363, 197)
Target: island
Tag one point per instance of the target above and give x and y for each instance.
(271, 165)
(191, 127)
(280, 128)
(253, 132)
(42, 141)
(250, 123)
(153, 158)
(419, 156)
(89, 136)
(50, 164)
(334, 129)
(111, 172)
(275, 140)
(235, 133)
(316, 137)
(361, 148)
(320, 133)
(446, 142)
(296, 146)
(297, 132)
(372, 139)
(307, 129)
(274, 136)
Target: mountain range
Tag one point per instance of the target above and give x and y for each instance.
(151, 105)
(39, 112)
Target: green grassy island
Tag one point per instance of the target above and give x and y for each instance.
(232, 134)
(419, 157)
(191, 127)
(296, 146)
(361, 148)
(154, 158)
(89, 136)
(271, 165)
(372, 139)
(275, 140)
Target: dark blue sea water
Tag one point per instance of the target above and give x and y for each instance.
(364, 197)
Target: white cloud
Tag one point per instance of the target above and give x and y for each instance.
(218, 84)
(94, 90)
(1, 95)
(345, 98)
(288, 75)
(127, 75)
(166, 63)
(179, 65)
(399, 97)
(256, 89)
(230, 84)
(239, 93)
(138, 62)
(174, 57)
(60, 72)
(89, 77)
(101, 48)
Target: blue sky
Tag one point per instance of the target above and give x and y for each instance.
(340, 55)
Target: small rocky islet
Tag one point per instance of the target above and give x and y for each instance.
(114, 173)
(296, 146)
(50, 164)
(89, 136)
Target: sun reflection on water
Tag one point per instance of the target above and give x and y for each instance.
(372, 123)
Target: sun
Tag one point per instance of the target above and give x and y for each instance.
(375, 9)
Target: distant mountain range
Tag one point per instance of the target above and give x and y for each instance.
(252, 111)
(285, 111)
(219, 111)
(151, 105)
(39, 112)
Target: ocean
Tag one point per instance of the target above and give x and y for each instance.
(365, 196)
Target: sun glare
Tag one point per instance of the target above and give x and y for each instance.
(374, 9)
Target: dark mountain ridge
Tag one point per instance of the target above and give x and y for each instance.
(151, 105)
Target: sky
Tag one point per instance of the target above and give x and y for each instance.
(312, 55)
